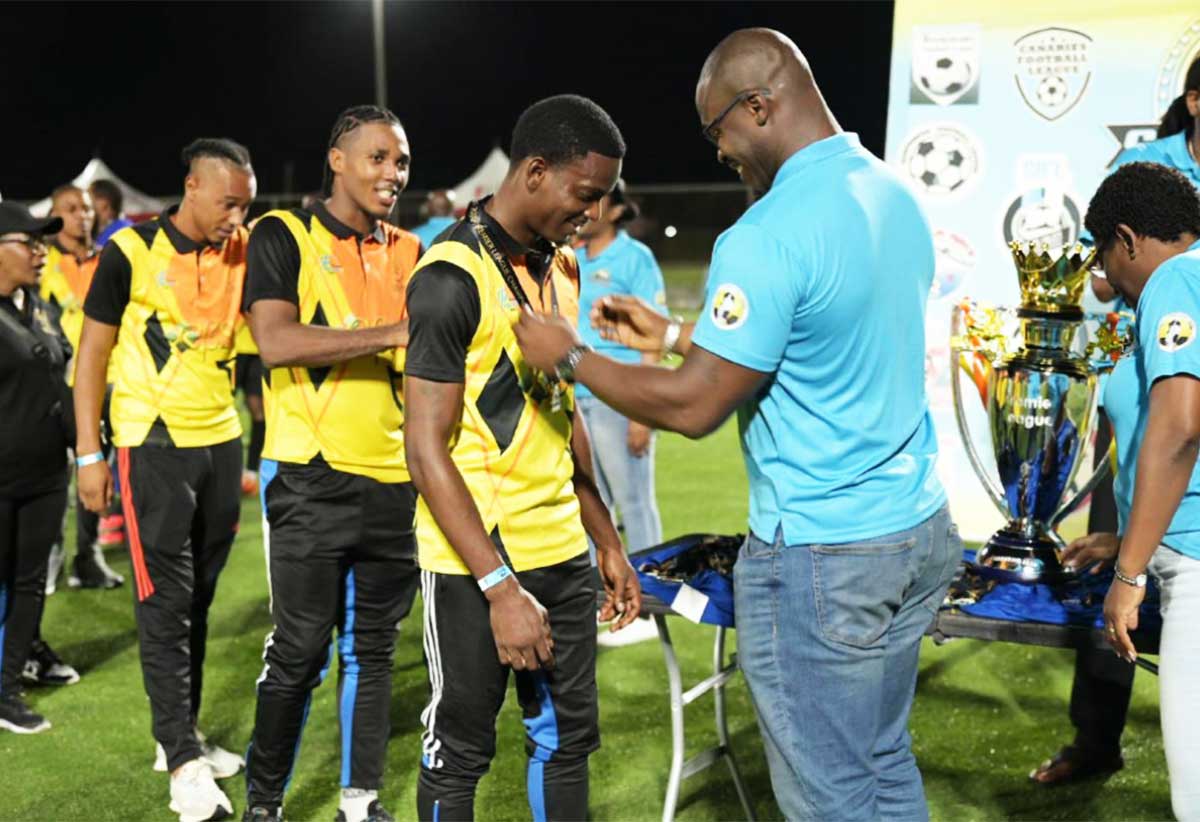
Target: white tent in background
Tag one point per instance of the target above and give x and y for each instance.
(136, 203)
(485, 180)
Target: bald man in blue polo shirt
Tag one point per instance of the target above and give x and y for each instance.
(813, 331)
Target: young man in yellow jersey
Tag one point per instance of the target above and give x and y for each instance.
(173, 288)
(325, 290)
(504, 470)
(70, 265)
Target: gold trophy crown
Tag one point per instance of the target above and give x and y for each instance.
(1050, 285)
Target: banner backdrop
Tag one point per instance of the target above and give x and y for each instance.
(1004, 117)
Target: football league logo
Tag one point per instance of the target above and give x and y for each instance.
(954, 260)
(941, 160)
(1176, 331)
(729, 307)
(1053, 70)
(1172, 73)
(1042, 215)
(945, 64)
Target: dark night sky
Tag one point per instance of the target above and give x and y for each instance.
(139, 80)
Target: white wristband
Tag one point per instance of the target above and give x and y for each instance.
(89, 459)
(495, 578)
(671, 336)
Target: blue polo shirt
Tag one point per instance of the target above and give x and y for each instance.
(1169, 151)
(427, 231)
(1168, 322)
(625, 266)
(822, 284)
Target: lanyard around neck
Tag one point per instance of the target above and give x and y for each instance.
(507, 272)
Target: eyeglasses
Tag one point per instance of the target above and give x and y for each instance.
(709, 131)
(34, 244)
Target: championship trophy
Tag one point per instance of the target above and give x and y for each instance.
(1037, 382)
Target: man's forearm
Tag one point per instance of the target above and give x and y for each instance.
(1164, 469)
(649, 394)
(308, 346)
(91, 366)
(439, 482)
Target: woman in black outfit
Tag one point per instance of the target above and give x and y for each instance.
(36, 428)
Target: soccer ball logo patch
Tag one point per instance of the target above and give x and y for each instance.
(941, 160)
(1176, 331)
(729, 307)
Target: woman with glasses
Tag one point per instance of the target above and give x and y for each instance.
(36, 428)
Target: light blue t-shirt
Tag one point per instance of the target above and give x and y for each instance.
(822, 284)
(1167, 316)
(427, 232)
(625, 266)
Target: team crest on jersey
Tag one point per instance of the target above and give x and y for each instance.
(601, 275)
(330, 265)
(506, 299)
(730, 308)
(163, 279)
(1176, 331)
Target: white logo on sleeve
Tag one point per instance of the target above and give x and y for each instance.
(729, 307)
(1176, 331)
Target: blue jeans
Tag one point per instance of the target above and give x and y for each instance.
(622, 478)
(828, 639)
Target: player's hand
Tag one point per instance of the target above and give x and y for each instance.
(544, 340)
(630, 321)
(95, 486)
(638, 439)
(623, 593)
(1121, 617)
(1100, 548)
(521, 627)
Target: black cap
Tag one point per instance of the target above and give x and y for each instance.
(16, 218)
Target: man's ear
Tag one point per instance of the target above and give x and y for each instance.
(535, 173)
(760, 108)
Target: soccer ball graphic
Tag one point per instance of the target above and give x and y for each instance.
(946, 76)
(1052, 91)
(940, 161)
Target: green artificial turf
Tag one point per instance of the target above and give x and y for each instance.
(984, 714)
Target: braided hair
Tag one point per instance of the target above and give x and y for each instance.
(348, 121)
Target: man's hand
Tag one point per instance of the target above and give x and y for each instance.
(1100, 548)
(520, 626)
(638, 439)
(623, 594)
(544, 340)
(630, 321)
(95, 486)
(1121, 617)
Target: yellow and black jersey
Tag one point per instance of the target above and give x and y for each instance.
(350, 415)
(513, 444)
(177, 304)
(64, 283)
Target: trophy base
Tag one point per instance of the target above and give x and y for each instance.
(1010, 556)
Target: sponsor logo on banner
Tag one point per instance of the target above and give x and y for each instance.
(1182, 54)
(1132, 135)
(1042, 215)
(945, 64)
(1053, 70)
(954, 261)
(1176, 331)
(941, 159)
(729, 307)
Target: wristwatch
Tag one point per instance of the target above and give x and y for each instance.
(564, 369)
(671, 335)
(1138, 581)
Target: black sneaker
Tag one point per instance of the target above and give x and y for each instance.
(91, 571)
(260, 814)
(375, 813)
(19, 718)
(44, 667)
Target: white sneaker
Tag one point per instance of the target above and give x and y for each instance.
(224, 763)
(640, 630)
(195, 795)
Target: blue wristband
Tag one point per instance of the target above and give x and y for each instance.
(495, 578)
(89, 459)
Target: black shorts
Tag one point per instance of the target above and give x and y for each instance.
(248, 374)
